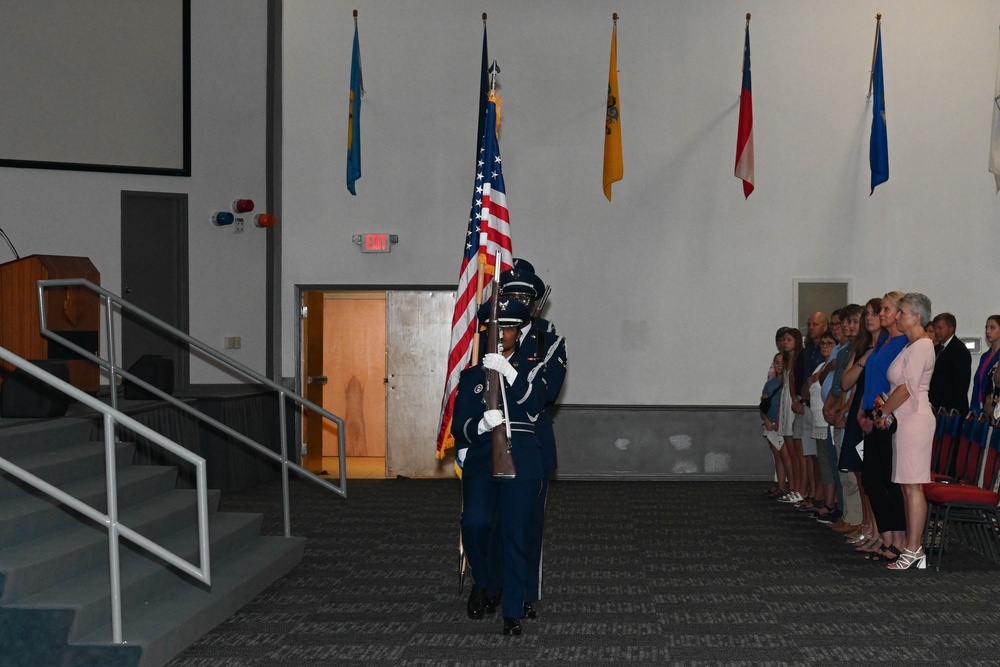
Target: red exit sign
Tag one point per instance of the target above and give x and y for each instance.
(376, 242)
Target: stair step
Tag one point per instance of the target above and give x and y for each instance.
(164, 625)
(32, 436)
(55, 597)
(143, 576)
(71, 552)
(29, 517)
(59, 466)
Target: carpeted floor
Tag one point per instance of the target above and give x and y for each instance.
(676, 573)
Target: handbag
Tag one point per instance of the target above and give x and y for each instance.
(765, 402)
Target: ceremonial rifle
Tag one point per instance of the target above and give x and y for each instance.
(496, 396)
(536, 308)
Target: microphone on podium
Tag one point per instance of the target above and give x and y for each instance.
(7, 239)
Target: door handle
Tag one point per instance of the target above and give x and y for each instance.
(319, 379)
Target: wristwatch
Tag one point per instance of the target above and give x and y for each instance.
(879, 414)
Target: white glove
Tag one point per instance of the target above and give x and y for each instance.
(460, 457)
(490, 419)
(497, 362)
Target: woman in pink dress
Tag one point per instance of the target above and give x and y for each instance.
(909, 378)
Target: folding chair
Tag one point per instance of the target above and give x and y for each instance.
(970, 504)
(964, 461)
(961, 469)
(946, 436)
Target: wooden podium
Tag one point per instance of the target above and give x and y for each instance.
(73, 312)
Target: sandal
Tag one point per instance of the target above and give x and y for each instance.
(908, 559)
(871, 545)
(883, 554)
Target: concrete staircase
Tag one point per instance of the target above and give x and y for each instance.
(55, 606)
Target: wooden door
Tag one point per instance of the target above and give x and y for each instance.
(313, 382)
(354, 344)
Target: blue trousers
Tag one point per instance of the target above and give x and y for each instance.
(496, 521)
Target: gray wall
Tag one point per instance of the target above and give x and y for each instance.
(78, 213)
(670, 294)
(614, 442)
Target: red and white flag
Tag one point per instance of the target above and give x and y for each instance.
(744, 136)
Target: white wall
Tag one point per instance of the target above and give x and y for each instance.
(670, 294)
(78, 213)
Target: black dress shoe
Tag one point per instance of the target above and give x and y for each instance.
(477, 603)
(491, 602)
(529, 610)
(511, 626)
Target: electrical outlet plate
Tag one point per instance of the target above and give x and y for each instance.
(238, 226)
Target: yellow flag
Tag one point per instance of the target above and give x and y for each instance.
(613, 167)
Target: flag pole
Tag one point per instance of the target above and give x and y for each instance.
(871, 76)
(480, 282)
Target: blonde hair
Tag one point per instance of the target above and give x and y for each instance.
(895, 297)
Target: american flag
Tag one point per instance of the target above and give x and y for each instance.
(488, 232)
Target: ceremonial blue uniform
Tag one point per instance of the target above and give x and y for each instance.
(545, 352)
(548, 360)
(483, 496)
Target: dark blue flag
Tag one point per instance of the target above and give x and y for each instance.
(879, 148)
(484, 91)
(354, 123)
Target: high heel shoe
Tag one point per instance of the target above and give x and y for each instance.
(917, 559)
(887, 553)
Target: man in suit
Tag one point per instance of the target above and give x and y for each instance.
(952, 369)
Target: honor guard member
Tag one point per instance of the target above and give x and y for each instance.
(545, 352)
(513, 500)
(524, 285)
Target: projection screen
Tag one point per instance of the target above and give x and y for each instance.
(96, 85)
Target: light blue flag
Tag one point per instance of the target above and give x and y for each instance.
(879, 148)
(354, 123)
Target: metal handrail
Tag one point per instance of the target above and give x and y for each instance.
(115, 371)
(110, 520)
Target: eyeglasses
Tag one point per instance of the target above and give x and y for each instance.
(836, 324)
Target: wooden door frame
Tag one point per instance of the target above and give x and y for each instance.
(336, 287)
